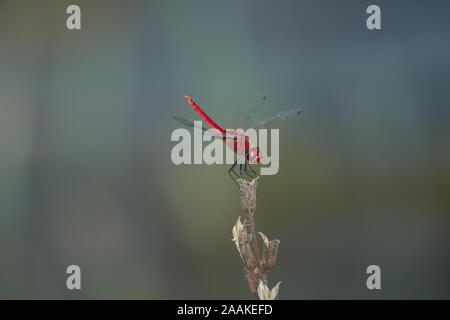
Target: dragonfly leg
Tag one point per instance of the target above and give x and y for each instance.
(231, 170)
(249, 173)
(245, 169)
(253, 171)
(248, 170)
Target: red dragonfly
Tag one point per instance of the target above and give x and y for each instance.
(236, 141)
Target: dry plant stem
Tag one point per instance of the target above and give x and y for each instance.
(254, 238)
(246, 240)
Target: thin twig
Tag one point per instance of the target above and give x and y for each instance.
(245, 237)
(253, 237)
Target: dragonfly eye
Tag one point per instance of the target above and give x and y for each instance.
(254, 155)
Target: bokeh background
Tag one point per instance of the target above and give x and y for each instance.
(85, 170)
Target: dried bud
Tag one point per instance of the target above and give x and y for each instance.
(242, 241)
(265, 239)
(237, 229)
(248, 194)
(270, 251)
(265, 294)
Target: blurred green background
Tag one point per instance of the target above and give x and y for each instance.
(85, 170)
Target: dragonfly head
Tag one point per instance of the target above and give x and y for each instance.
(254, 155)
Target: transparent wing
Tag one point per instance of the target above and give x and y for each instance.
(243, 115)
(268, 122)
(189, 123)
(208, 131)
(246, 115)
